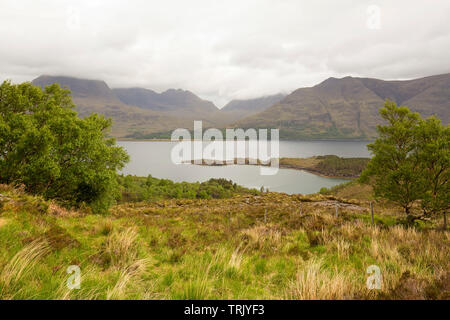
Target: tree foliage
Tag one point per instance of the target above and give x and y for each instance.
(410, 160)
(151, 188)
(331, 165)
(432, 149)
(48, 148)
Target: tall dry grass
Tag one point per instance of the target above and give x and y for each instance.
(262, 237)
(130, 275)
(87, 274)
(22, 264)
(236, 259)
(121, 247)
(314, 282)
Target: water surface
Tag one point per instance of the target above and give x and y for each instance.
(154, 157)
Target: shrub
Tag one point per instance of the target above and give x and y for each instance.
(140, 189)
(48, 148)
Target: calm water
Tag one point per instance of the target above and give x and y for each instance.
(153, 158)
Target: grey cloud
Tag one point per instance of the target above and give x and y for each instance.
(222, 50)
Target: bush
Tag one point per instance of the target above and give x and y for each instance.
(343, 167)
(140, 188)
(48, 148)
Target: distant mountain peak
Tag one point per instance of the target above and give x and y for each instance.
(177, 90)
(81, 88)
(178, 102)
(67, 80)
(180, 92)
(348, 107)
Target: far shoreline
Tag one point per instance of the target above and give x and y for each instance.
(301, 164)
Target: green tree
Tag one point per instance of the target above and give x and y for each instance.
(48, 148)
(393, 171)
(433, 153)
(410, 161)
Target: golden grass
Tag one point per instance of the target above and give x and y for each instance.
(3, 222)
(106, 227)
(21, 264)
(314, 282)
(343, 248)
(57, 210)
(121, 248)
(236, 258)
(128, 276)
(262, 237)
(87, 274)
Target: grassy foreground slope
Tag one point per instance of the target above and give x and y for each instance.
(218, 249)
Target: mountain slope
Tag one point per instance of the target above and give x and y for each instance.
(81, 88)
(348, 107)
(92, 96)
(344, 108)
(177, 103)
(238, 109)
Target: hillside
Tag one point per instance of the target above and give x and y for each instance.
(348, 107)
(144, 113)
(95, 96)
(336, 108)
(176, 103)
(268, 246)
(238, 109)
(138, 112)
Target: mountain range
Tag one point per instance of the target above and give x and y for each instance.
(345, 108)
(172, 102)
(348, 107)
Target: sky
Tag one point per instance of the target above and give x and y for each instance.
(223, 50)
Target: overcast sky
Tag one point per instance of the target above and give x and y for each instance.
(223, 50)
